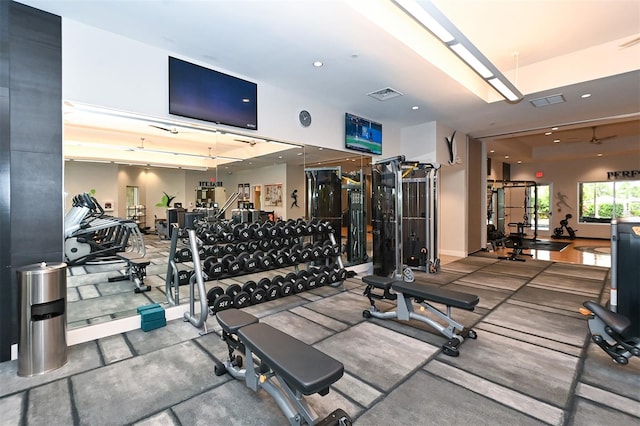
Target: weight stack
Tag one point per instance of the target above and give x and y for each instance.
(151, 317)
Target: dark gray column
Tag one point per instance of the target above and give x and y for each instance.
(31, 146)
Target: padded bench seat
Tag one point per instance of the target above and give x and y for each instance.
(436, 294)
(305, 368)
(378, 282)
(233, 319)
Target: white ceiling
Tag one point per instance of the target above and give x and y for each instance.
(544, 47)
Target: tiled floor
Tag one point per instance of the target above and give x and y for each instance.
(532, 362)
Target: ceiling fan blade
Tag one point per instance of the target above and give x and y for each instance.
(166, 129)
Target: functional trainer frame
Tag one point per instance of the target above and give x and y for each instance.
(405, 203)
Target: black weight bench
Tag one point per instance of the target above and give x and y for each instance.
(407, 292)
(135, 271)
(270, 354)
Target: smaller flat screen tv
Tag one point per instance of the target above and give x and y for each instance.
(204, 94)
(363, 135)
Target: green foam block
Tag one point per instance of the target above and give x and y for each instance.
(145, 307)
(152, 325)
(152, 314)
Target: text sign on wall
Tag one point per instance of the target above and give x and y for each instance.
(624, 174)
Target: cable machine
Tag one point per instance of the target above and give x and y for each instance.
(502, 207)
(404, 218)
(325, 190)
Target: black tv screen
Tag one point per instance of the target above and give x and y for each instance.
(363, 135)
(205, 94)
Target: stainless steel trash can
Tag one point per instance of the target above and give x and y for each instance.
(43, 318)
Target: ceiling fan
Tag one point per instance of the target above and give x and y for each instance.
(171, 130)
(598, 141)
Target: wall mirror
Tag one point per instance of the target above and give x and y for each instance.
(142, 169)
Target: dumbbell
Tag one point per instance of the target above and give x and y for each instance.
(242, 232)
(184, 277)
(252, 246)
(286, 287)
(273, 231)
(280, 259)
(277, 243)
(305, 253)
(241, 298)
(231, 264)
(208, 237)
(272, 290)
(336, 274)
(316, 250)
(308, 279)
(247, 263)
(228, 249)
(322, 277)
(265, 261)
(327, 249)
(260, 231)
(299, 284)
(218, 300)
(213, 268)
(256, 294)
(183, 255)
(264, 244)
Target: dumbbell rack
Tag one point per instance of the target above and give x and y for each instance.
(233, 250)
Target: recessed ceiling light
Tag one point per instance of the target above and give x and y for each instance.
(554, 128)
(300, 153)
(280, 156)
(320, 149)
(547, 133)
(506, 156)
(519, 162)
(586, 95)
(599, 155)
(317, 64)
(415, 107)
(556, 141)
(492, 151)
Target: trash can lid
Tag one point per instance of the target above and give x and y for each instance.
(42, 267)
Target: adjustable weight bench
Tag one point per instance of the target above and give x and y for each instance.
(270, 354)
(135, 271)
(404, 292)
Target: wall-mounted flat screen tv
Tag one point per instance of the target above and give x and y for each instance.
(205, 94)
(363, 135)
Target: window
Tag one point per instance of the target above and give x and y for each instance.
(602, 201)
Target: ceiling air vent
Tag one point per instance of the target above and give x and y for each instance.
(547, 100)
(385, 94)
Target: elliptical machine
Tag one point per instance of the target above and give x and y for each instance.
(564, 224)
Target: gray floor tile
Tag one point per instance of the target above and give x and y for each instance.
(620, 403)
(144, 384)
(114, 348)
(165, 418)
(546, 297)
(319, 318)
(345, 307)
(538, 372)
(489, 296)
(11, 409)
(441, 277)
(582, 271)
(50, 404)
(542, 324)
(501, 281)
(509, 397)
(600, 370)
(589, 413)
(517, 269)
(298, 327)
(420, 400)
(578, 285)
(379, 356)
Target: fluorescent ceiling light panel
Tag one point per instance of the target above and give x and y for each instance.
(421, 15)
(504, 90)
(471, 60)
(439, 25)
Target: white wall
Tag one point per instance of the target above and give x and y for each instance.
(85, 177)
(564, 178)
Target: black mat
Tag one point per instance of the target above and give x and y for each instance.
(544, 245)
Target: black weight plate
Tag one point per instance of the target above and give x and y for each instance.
(227, 259)
(342, 274)
(259, 295)
(266, 262)
(312, 282)
(305, 255)
(249, 286)
(233, 289)
(206, 265)
(242, 257)
(322, 279)
(213, 293)
(264, 244)
(183, 277)
(276, 243)
(221, 303)
(286, 289)
(216, 270)
(240, 248)
(234, 267)
(277, 280)
(299, 286)
(252, 246)
(273, 292)
(260, 232)
(250, 265)
(264, 283)
(228, 249)
(303, 273)
(291, 276)
(334, 277)
(294, 258)
(280, 259)
(241, 300)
